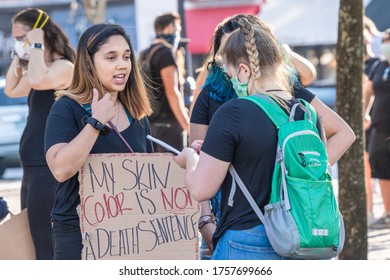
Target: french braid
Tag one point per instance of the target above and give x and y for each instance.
(251, 47)
(255, 45)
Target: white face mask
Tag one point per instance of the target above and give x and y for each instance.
(22, 49)
(386, 50)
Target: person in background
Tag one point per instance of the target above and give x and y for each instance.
(378, 86)
(253, 60)
(170, 120)
(42, 63)
(218, 89)
(107, 96)
(305, 70)
(3, 209)
(375, 34)
(371, 61)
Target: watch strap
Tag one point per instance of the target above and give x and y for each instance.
(96, 125)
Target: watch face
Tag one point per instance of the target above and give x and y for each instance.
(38, 46)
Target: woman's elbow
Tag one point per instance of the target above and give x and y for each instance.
(198, 196)
(59, 171)
(349, 136)
(60, 174)
(352, 136)
(197, 193)
(9, 92)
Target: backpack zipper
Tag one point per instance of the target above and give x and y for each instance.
(298, 133)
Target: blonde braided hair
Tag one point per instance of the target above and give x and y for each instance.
(254, 44)
(251, 47)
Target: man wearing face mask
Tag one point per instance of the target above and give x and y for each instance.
(379, 145)
(170, 120)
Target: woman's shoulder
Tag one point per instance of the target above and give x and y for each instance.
(63, 63)
(67, 100)
(66, 103)
(144, 121)
(234, 107)
(242, 108)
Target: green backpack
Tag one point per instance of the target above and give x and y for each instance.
(302, 219)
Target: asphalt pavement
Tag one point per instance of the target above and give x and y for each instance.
(378, 240)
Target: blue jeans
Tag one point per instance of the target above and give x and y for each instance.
(250, 244)
(67, 242)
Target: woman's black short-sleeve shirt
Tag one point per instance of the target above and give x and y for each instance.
(63, 125)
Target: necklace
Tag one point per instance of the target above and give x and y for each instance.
(280, 93)
(273, 90)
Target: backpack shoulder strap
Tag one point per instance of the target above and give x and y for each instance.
(153, 51)
(270, 107)
(373, 68)
(245, 191)
(312, 111)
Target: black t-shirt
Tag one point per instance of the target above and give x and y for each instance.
(370, 64)
(241, 133)
(231, 137)
(380, 77)
(205, 106)
(31, 143)
(63, 125)
(163, 58)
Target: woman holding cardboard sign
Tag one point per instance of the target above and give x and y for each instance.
(42, 63)
(107, 95)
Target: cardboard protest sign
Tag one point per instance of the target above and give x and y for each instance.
(15, 238)
(135, 206)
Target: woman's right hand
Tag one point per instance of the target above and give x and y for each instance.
(367, 122)
(104, 109)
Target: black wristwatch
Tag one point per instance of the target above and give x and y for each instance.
(96, 125)
(38, 46)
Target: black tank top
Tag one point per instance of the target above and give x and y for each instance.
(32, 142)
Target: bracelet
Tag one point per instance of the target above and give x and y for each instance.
(204, 220)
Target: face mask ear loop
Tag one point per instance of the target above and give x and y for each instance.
(238, 72)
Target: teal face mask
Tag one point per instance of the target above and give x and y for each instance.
(240, 88)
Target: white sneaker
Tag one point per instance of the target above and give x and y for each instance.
(370, 218)
(381, 223)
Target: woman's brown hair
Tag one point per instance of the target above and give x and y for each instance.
(134, 96)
